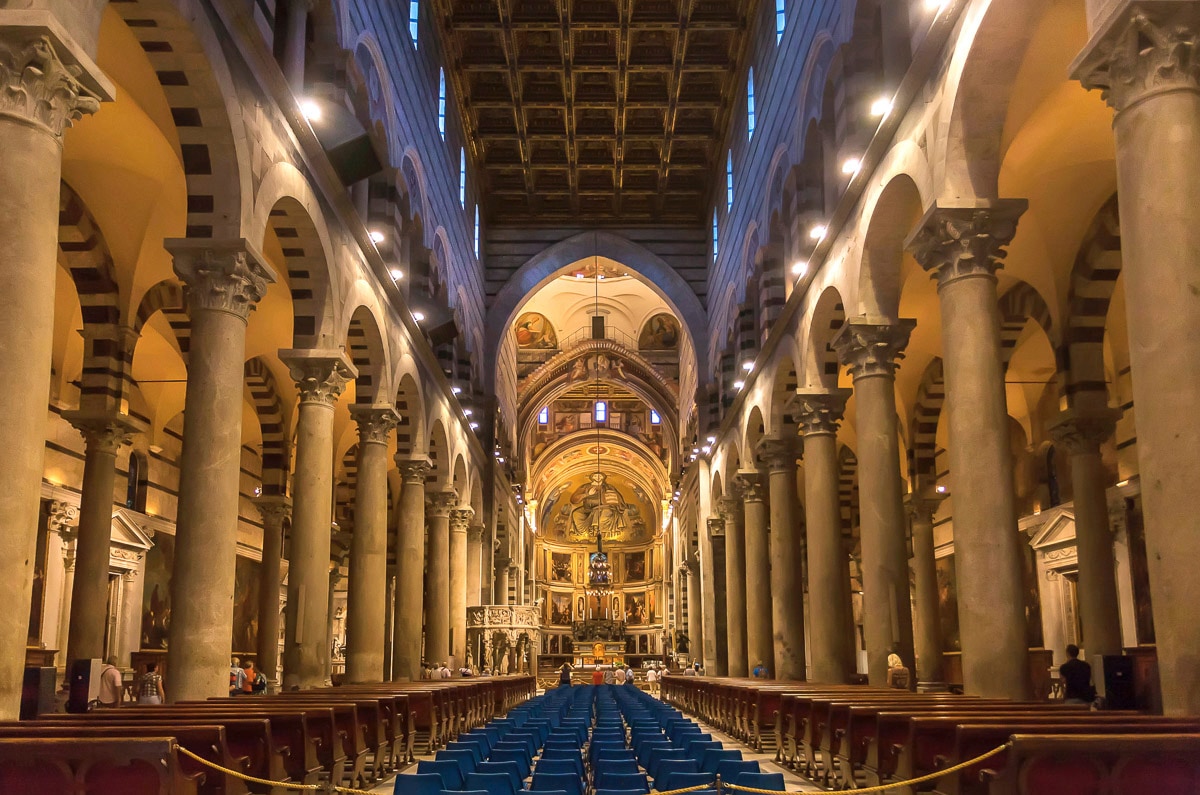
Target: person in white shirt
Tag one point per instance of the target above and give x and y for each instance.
(652, 681)
(629, 676)
(112, 688)
(619, 676)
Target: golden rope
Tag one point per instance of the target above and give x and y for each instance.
(268, 782)
(696, 788)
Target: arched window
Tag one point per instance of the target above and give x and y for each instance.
(780, 19)
(729, 180)
(135, 482)
(462, 177)
(544, 416)
(442, 102)
(714, 239)
(750, 103)
(655, 419)
(601, 413)
(476, 231)
(414, 16)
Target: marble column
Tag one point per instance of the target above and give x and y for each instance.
(502, 564)
(475, 592)
(962, 245)
(224, 281)
(735, 580)
(47, 82)
(831, 625)
(274, 509)
(927, 626)
(716, 650)
(295, 42)
(366, 599)
(695, 622)
(1081, 433)
(320, 377)
(787, 549)
(1143, 57)
(460, 520)
(873, 347)
(103, 436)
(760, 645)
(439, 506)
(410, 568)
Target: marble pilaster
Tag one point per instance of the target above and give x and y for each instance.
(716, 648)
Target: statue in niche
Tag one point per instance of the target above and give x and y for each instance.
(600, 510)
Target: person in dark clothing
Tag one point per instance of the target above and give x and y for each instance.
(564, 675)
(1077, 679)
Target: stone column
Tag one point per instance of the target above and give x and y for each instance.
(103, 437)
(460, 520)
(58, 521)
(831, 625)
(872, 347)
(502, 564)
(962, 245)
(1081, 433)
(760, 646)
(295, 42)
(695, 625)
(335, 577)
(1143, 56)
(224, 280)
(787, 549)
(927, 629)
(716, 652)
(475, 578)
(410, 568)
(274, 510)
(320, 377)
(46, 82)
(439, 506)
(735, 580)
(366, 599)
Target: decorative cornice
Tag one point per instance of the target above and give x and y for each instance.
(1082, 432)
(441, 504)
(753, 485)
(872, 347)
(374, 423)
(460, 519)
(104, 433)
(220, 275)
(955, 242)
(37, 87)
(821, 410)
(320, 376)
(779, 453)
(413, 470)
(1142, 49)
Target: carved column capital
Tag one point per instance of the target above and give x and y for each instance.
(374, 423)
(502, 562)
(1143, 48)
(821, 410)
(220, 275)
(441, 503)
(59, 518)
(716, 527)
(46, 80)
(753, 485)
(460, 519)
(731, 504)
(779, 453)
(956, 242)
(273, 508)
(475, 533)
(691, 565)
(321, 376)
(872, 347)
(413, 470)
(1082, 432)
(922, 507)
(105, 433)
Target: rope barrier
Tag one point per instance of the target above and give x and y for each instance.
(696, 788)
(267, 782)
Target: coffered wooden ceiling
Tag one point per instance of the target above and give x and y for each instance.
(595, 110)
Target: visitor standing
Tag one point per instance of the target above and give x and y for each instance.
(629, 678)
(1077, 678)
(619, 676)
(597, 676)
(564, 675)
(652, 681)
(150, 686)
(236, 677)
(112, 690)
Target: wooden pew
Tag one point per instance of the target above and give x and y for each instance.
(1119, 764)
(110, 766)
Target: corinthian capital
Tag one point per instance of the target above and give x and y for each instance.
(475, 532)
(872, 348)
(441, 503)
(220, 275)
(59, 517)
(273, 508)
(754, 485)
(1141, 49)
(1082, 432)
(45, 80)
(320, 375)
(413, 470)
(374, 423)
(953, 242)
(105, 433)
(460, 519)
(779, 453)
(821, 410)
(716, 527)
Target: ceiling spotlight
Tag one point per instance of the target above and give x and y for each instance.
(418, 316)
(377, 236)
(396, 274)
(738, 384)
(748, 365)
(712, 439)
(501, 460)
(851, 165)
(466, 412)
(456, 390)
(706, 449)
(881, 107)
(695, 450)
(474, 426)
(818, 231)
(940, 489)
(799, 267)
(310, 109)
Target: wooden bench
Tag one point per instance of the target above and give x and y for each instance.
(109, 766)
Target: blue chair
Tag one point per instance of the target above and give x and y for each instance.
(618, 792)
(464, 758)
(658, 755)
(713, 756)
(463, 792)
(418, 784)
(562, 745)
(516, 756)
(449, 770)
(547, 791)
(771, 781)
(614, 754)
(668, 766)
(729, 770)
(507, 768)
(476, 748)
(606, 780)
(615, 766)
(573, 766)
(568, 782)
(527, 738)
(475, 736)
(683, 781)
(696, 748)
(491, 783)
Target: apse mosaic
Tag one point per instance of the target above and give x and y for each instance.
(601, 504)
